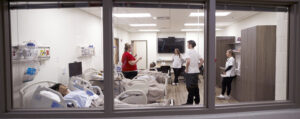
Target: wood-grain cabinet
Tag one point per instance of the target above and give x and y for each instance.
(258, 60)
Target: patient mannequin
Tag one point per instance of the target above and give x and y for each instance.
(152, 66)
(82, 98)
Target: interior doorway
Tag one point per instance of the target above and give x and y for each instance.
(140, 50)
(116, 50)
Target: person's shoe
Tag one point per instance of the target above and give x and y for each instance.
(177, 83)
(227, 97)
(221, 97)
(173, 84)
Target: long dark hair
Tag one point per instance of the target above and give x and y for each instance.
(178, 52)
(56, 86)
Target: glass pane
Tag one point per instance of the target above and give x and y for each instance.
(57, 59)
(251, 52)
(148, 72)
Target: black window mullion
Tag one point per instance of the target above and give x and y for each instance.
(108, 56)
(209, 42)
(296, 58)
(2, 58)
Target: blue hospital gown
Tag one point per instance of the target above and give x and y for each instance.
(80, 97)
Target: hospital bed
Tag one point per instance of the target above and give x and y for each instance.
(135, 94)
(161, 78)
(38, 95)
(136, 91)
(154, 86)
(79, 83)
(156, 91)
(92, 74)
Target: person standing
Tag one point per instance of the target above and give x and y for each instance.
(193, 62)
(129, 68)
(176, 65)
(228, 75)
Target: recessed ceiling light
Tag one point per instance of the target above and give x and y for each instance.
(197, 29)
(149, 30)
(140, 25)
(191, 30)
(201, 14)
(132, 15)
(222, 13)
(202, 24)
(194, 24)
(196, 14)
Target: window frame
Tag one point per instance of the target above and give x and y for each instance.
(209, 108)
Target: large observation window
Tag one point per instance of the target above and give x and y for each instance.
(57, 55)
(151, 51)
(252, 56)
(113, 58)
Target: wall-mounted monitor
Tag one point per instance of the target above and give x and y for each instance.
(167, 45)
(75, 69)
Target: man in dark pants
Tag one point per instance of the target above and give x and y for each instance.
(193, 62)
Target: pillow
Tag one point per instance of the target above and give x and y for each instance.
(50, 95)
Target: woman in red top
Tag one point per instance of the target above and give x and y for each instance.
(129, 68)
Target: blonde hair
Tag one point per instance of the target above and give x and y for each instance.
(231, 52)
(127, 46)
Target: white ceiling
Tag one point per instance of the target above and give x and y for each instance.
(177, 18)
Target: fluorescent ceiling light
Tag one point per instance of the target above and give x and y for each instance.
(132, 15)
(218, 29)
(149, 30)
(191, 29)
(197, 29)
(202, 24)
(222, 13)
(196, 14)
(194, 24)
(140, 25)
(201, 14)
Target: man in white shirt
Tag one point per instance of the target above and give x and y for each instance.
(193, 62)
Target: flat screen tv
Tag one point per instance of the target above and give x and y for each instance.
(167, 45)
(75, 69)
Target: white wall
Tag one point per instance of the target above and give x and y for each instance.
(151, 38)
(123, 37)
(268, 18)
(64, 30)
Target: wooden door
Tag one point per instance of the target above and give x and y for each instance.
(116, 50)
(140, 50)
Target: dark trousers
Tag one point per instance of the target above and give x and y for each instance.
(130, 74)
(192, 88)
(226, 85)
(177, 72)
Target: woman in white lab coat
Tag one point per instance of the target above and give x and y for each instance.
(228, 75)
(176, 65)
